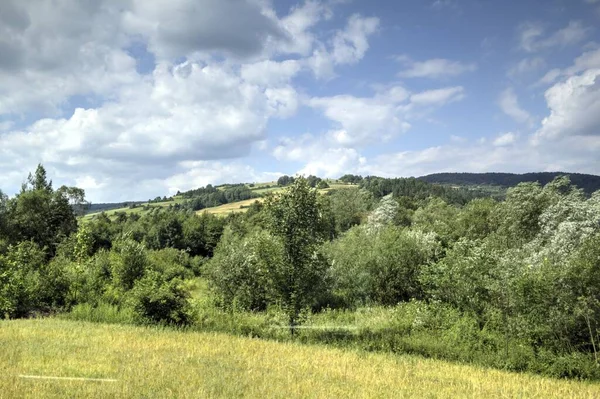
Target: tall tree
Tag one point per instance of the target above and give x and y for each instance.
(295, 219)
(40, 214)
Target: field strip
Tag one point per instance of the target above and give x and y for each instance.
(317, 327)
(43, 377)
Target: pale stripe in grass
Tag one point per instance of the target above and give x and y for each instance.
(316, 327)
(45, 377)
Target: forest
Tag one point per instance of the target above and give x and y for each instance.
(510, 281)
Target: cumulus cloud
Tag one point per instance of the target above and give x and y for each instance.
(588, 60)
(531, 36)
(434, 68)
(360, 121)
(526, 66)
(201, 173)
(83, 55)
(348, 46)
(176, 27)
(270, 73)
(187, 111)
(505, 139)
(509, 104)
(319, 156)
(484, 156)
(574, 107)
(220, 71)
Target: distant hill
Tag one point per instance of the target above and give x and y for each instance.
(589, 183)
(93, 208)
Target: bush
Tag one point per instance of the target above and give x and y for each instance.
(154, 300)
(379, 266)
(129, 262)
(238, 271)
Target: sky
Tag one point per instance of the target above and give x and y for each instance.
(132, 99)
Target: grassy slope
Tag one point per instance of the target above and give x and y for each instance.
(150, 362)
(218, 210)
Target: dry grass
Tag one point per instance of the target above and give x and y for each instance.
(229, 208)
(154, 363)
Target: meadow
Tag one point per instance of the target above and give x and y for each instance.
(154, 362)
(260, 189)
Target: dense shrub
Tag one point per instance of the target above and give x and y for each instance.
(155, 300)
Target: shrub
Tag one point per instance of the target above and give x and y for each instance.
(129, 262)
(154, 300)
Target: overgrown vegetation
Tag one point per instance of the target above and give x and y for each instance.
(395, 265)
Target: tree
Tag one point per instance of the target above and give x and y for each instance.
(350, 207)
(39, 180)
(76, 198)
(285, 180)
(295, 219)
(40, 214)
(322, 185)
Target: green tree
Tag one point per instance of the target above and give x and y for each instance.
(40, 214)
(295, 219)
(350, 207)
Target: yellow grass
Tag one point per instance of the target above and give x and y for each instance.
(229, 208)
(153, 363)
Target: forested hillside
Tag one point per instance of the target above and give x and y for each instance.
(589, 183)
(393, 265)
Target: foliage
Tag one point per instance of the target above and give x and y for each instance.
(285, 180)
(296, 220)
(156, 300)
(350, 207)
(589, 183)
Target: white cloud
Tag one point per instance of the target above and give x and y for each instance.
(505, 139)
(438, 97)
(588, 60)
(442, 4)
(319, 156)
(270, 73)
(509, 104)
(201, 173)
(434, 68)
(563, 155)
(531, 36)
(574, 107)
(351, 44)
(181, 27)
(83, 55)
(297, 24)
(526, 65)
(457, 139)
(183, 112)
(348, 46)
(359, 121)
(550, 77)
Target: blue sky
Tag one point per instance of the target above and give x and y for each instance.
(134, 99)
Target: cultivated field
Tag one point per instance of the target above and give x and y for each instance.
(258, 188)
(150, 362)
(240, 206)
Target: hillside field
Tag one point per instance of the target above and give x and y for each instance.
(260, 189)
(155, 362)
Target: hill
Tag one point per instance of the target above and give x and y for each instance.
(589, 183)
(154, 362)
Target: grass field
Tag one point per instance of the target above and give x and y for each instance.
(259, 188)
(156, 363)
(229, 208)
